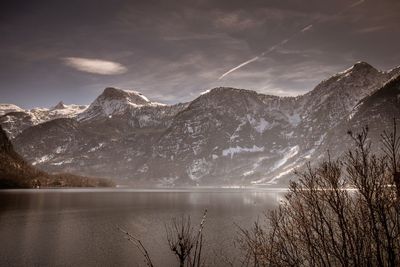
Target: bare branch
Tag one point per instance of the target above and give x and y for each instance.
(139, 245)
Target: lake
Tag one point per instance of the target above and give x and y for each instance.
(78, 227)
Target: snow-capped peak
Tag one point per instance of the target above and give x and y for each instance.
(64, 108)
(223, 92)
(394, 72)
(60, 105)
(358, 67)
(6, 108)
(205, 92)
(129, 96)
(34, 116)
(116, 101)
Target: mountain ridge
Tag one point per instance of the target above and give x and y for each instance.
(225, 136)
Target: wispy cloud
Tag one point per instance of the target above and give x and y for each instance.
(236, 21)
(184, 46)
(96, 66)
(371, 29)
(192, 36)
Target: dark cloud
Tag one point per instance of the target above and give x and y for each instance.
(173, 50)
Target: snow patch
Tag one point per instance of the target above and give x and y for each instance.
(100, 145)
(248, 173)
(260, 125)
(143, 97)
(205, 92)
(62, 162)
(319, 141)
(144, 168)
(287, 154)
(45, 158)
(168, 181)
(289, 135)
(198, 169)
(274, 180)
(235, 134)
(238, 149)
(6, 108)
(60, 149)
(294, 119)
(354, 111)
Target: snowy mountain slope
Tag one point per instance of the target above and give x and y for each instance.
(242, 136)
(376, 111)
(62, 110)
(15, 119)
(226, 136)
(15, 122)
(115, 101)
(7, 108)
(119, 133)
(337, 96)
(212, 135)
(394, 72)
(324, 108)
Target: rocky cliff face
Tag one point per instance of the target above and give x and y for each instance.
(14, 171)
(226, 136)
(5, 143)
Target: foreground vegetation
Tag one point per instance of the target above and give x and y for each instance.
(343, 212)
(185, 242)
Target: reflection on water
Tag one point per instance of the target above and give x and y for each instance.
(79, 227)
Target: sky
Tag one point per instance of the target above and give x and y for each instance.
(173, 50)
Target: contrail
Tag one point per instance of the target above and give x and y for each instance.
(239, 66)
(307, 28)
(272, 48)
(350, 7)
(357, 4)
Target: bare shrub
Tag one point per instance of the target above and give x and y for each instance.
(184, 241)
(341, 213)
(139, 245)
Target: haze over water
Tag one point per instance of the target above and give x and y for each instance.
(79, 227)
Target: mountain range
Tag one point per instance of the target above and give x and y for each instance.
(224, 137)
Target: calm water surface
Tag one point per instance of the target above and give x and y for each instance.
(77, 227)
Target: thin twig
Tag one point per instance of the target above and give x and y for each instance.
(139, 245)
